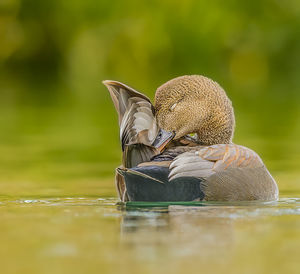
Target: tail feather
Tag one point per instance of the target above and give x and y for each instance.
(150, 183)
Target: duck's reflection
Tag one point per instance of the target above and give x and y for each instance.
(178, 231)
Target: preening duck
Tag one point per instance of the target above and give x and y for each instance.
(180, 148)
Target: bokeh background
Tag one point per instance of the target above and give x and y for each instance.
(58, 127)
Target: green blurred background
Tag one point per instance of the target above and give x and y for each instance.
(58, 127)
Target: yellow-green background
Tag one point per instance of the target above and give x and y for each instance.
(58, 127)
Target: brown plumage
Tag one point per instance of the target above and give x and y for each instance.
(195, 104)
(162, 162)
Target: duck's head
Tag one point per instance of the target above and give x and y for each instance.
(193, 105)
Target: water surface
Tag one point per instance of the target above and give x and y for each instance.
(94, 235)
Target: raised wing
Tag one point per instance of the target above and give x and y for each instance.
(138, 127)
(230, 172)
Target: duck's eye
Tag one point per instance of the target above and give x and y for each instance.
(173, 106)
(192, 135)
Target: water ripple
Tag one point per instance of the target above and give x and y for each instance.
(284, 206)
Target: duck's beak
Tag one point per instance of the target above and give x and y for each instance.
(162, 139)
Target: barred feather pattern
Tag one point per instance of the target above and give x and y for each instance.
(206, 161)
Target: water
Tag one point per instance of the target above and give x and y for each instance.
(95, 235)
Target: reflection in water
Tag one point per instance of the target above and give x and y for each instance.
(202, 231)
(83, 235)
(177, 234)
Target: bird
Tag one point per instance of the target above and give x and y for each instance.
(180, 148)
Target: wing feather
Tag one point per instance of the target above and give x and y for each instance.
(206, 161)
(230, 172)
(138, 126)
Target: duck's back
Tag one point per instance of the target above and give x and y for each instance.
(224, 172)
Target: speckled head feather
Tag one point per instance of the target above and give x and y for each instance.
(195, 104)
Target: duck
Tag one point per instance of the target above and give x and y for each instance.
(180, 148)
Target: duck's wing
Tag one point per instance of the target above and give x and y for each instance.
(229, 172)
(138, 127)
